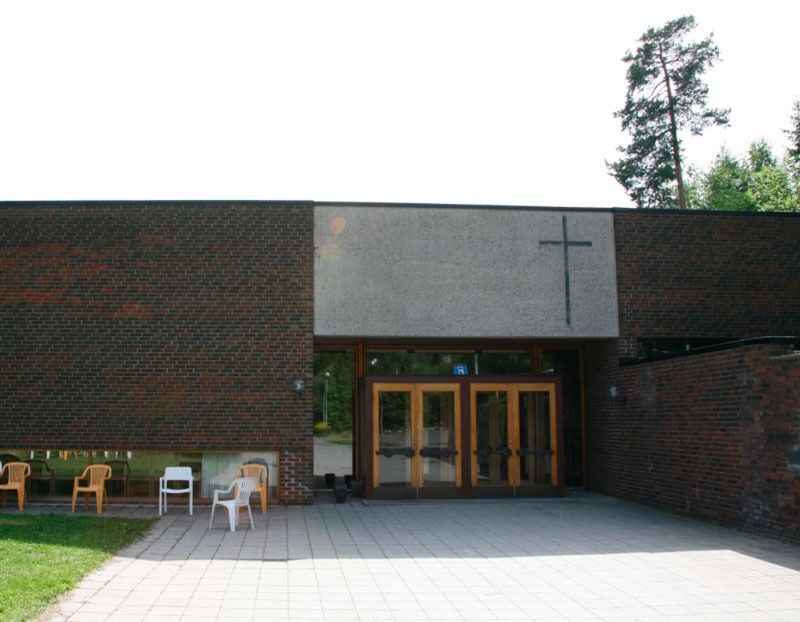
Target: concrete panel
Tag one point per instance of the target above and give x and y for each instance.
(392, 271)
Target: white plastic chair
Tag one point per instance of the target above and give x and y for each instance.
(241, 488)
(175, 474)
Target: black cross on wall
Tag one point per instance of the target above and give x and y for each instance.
(566, 242)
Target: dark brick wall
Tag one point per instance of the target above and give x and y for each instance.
(772, 494)
(707, 435)
(686, 437)
(690, 274)
(159, 327)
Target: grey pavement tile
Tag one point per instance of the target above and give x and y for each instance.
(581, 557)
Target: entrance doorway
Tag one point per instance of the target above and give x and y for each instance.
(416, 438)
(460, 437)
(514, 438)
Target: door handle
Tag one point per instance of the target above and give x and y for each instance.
(437, 452)
(388, 452)
(533, 452)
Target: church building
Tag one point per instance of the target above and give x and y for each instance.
(409, 350)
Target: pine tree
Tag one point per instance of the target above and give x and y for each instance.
(666, 95)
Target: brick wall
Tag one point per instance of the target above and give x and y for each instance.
(683, 438)
(146, 326)
(772, 494)
(690, 274)
(705, 434)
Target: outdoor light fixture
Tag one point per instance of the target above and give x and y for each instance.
(298, 385)
(616, 395)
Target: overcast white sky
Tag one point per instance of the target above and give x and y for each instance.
(456, 102)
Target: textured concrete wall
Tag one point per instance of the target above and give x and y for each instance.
(450, 272)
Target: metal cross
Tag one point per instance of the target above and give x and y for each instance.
(567, 243)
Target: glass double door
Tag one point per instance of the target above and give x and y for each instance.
(416, 438)
(514, 438)
(505, 442)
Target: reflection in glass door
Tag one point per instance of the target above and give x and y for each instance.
(535, 438)
(395, 442)
(491, 450)
(440, 436)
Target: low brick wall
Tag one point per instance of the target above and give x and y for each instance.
(159, 327)
(709, 435)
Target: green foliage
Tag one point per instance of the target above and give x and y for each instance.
(338, 369)
(726, 185)
(793, 152)
(665, 96)
(755, 183)
(45, 556)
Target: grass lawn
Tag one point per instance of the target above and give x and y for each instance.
(41, 557)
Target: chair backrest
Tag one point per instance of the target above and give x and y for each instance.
(257, 471)
(17, 471)
(244, 487)
(121, 466)
(97, 474)
(178, 474)
(39, 466)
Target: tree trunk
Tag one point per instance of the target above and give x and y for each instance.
(673, 130)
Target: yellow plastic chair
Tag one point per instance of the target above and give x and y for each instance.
(259, 473)
(18, 472)
(97, 474)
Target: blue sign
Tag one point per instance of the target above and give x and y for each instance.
(460, 370)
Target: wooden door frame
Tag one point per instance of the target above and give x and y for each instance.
(552, 386)
(461, 385)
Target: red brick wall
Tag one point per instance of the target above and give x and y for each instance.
(145, 326)
(690, 274)
(705, 434)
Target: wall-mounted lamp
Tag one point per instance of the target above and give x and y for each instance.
(298, 385)
(616, 395)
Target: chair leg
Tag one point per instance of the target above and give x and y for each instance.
(264, 499)
(74, 499)
(99, 498)
(191, 499)
(252, 526)
(233, 514)
(21, 498)
(159, 501)
(211, 520)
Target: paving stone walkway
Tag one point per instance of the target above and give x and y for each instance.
(583, 557)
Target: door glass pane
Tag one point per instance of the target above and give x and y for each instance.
(438, 439)
(394, 430)
(491, 421)
(504, 363)
(534, 437)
